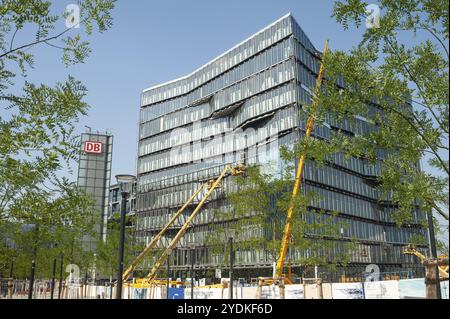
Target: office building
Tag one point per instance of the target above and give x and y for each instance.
(255, 89)
(115, 199)
(94, 175)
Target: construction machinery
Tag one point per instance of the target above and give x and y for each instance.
(443, 269)
(156, 239)
(210, 186)
(290, 214)
(280, 278)
(142, 283)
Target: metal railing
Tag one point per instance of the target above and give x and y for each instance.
(19, 289)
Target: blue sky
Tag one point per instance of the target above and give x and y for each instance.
(155, 41)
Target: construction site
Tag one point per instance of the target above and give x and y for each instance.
(187, 165)
(199, 135)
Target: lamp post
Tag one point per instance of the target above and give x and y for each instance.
(192, 271)
(168, 277)
(125, 183)
(53, 278)
(31, 287)
(230, 241)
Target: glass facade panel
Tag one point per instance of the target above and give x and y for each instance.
(243, 106)
(94, 179)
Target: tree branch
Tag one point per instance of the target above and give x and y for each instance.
(434, 152)
(40, 41)
(436, 37)
(421, 93)
(12, 39)
(438, 209)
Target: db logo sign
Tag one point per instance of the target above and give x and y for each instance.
(93, 147)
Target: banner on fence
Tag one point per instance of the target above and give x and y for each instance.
(351, 290)
(382, 289)
(393, 289)
(412, 289)
(444, 289)
(176, 293)
(139, 293)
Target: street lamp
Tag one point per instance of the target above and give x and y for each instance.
(125, 183)
(230, 241)
(433, 251)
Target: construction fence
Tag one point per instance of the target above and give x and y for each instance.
(391, 289)
(42, 289)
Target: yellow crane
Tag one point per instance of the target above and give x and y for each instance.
(411, 250)
(287, 233)
(142, 283)
(156, 239)
(212, 185)
(279, 278)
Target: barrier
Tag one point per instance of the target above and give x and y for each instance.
(351, 290)
(382, 290)
(390, 289)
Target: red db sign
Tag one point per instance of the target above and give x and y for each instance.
(93, 147)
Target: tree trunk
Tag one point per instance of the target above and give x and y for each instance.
(431, 276)
(430, 280)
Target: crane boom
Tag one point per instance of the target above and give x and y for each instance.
(290, 214)
(155, 240)
(237, 170)
(411, 250)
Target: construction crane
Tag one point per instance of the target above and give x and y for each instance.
(156, 239)
(287, 233)
(279, 278)
(142, 283)
(411, 250)
(211, 186)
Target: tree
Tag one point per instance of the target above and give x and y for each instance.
(257, 217)
(397, 79)
(42, 213)
(44, 228)
(108, 251)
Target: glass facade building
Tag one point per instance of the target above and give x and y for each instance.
(115, 199)
(94, 175)
(242, 106)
